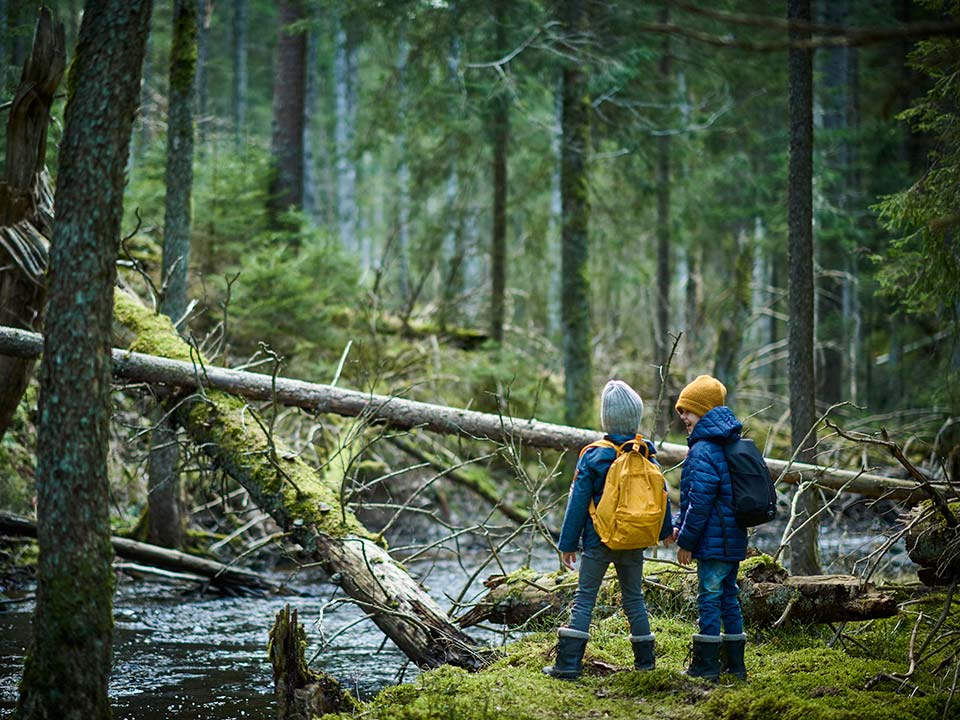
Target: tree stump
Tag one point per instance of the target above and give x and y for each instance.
(301, 692)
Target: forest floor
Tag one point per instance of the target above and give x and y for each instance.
(795, 672)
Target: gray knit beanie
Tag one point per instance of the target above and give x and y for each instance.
(621, 409)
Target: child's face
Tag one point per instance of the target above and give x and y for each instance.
(689, 419)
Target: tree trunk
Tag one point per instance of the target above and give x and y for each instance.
(312, 207)
(289, 97)
(574, 179)
(736, 318)
(661, 325)
(500, 137)
(239, 96)
(26, 204)
(766, 596)
(345, 128)
(804, 551)
(203, 14)
(409, 414)
(301, 693)
(454, 252)
(68, 663)
(165, 526)
(403, 177)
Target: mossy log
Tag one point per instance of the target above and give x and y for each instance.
(767, 594)
(933, 544)
(305, 504)
(160, 368)
(301, 693)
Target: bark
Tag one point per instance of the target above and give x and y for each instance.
(217, 574)
(500, 137)
(804, 553)
(409, 414)
(68, 663)
(301, 693)
(575, 285)
(26, 204)
(766, 594)
(289, 97)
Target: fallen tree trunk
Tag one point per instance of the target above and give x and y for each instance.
(217, 574)
(304, 504)
(768, 596)
(408, 414)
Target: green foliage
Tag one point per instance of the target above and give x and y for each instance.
(922, 265)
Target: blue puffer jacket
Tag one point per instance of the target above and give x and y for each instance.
(707, 525)
(588, 482)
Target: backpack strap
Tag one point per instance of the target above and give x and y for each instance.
(603, 443)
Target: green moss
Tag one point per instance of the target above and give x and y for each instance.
(154, 333)
(792, 674)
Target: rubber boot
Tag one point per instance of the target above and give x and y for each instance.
(706, 657)
(570, 647)
(643, 653)
(731, 655)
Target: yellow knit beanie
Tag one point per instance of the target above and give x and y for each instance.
(702, 395)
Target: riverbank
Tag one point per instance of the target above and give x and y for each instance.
(796, 672)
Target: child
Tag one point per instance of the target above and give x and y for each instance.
(621, 411)
(707, 531)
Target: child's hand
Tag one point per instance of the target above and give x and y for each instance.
(568, 559)
(684, 557)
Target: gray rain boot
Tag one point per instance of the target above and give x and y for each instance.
(731, 655)
(643, 654)
(570, 647)
(706, 657)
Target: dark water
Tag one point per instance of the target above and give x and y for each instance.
(207, 658)
(189, 657)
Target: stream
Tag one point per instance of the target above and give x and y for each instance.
(186, 656)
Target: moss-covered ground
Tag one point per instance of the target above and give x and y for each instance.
(793, 673)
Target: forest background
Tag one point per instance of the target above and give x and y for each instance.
(418, 248)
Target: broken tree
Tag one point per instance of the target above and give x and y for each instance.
(26, 203)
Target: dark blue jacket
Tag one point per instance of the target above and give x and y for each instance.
(707, 526)
(588, 482)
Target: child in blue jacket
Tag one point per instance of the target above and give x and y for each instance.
(621, 411)
(706, 530)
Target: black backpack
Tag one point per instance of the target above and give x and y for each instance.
(754, 496)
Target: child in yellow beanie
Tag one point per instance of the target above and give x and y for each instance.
(707, 531)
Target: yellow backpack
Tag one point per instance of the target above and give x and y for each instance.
(634, 501)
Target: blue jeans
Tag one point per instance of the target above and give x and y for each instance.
(717, 597)
(593, 566)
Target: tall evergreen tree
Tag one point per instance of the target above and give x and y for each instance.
(164, 523)
(574, 179)
(68, 663)
(500, 137)
(289, 98)
(804, 555)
